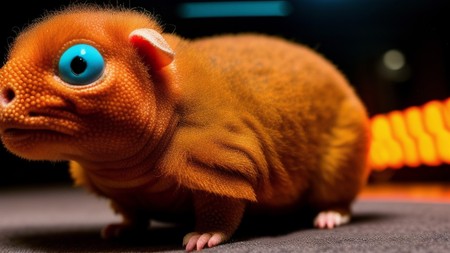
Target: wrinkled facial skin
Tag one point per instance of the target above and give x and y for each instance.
(44, 117)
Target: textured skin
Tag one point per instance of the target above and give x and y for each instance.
(232, 124)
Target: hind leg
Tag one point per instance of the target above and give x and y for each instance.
(333, 194)
(335, 189)
(343, 168)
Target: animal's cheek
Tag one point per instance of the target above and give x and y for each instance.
(117, 129)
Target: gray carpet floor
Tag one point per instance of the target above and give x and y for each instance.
(65, 219)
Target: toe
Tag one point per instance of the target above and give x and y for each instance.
(190, 241)
(216, 239)
(202, 241)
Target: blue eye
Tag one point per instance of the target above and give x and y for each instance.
(81, 64)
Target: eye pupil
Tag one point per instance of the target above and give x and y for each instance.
(78, 65)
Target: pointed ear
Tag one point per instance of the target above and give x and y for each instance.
(152, 47)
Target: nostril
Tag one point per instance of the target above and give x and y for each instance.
(7, 96)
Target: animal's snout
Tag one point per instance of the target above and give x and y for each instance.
(7, 95)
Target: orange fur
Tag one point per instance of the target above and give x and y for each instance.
(233, 123)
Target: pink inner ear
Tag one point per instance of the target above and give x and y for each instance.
(155, 50)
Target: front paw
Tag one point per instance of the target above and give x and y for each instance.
(197, 241)
(217, 218)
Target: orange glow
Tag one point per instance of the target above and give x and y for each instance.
(390, 153)
(412, 137)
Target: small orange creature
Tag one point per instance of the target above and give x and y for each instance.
(214, 127)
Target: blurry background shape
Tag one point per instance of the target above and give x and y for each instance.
(212, 9)
(394, 59)
(413, 137)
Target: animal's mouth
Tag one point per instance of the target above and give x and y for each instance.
(16, 133)
(42, 125)
(19, 134)
(24, 136)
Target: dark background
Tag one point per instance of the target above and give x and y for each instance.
(354, 34)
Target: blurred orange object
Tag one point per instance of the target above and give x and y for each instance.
(418, 135)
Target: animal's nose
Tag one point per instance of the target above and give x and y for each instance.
(7, 95)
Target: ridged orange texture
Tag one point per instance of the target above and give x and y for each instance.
(418, 135)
